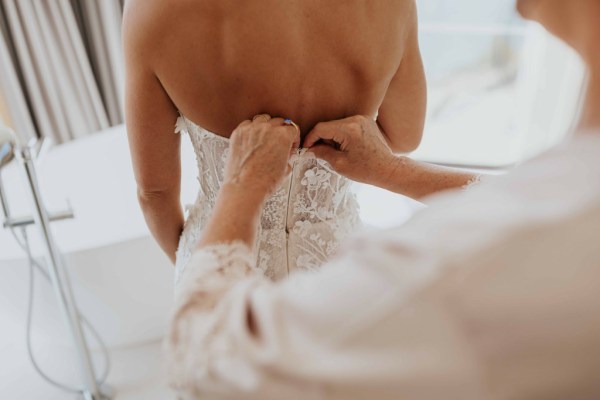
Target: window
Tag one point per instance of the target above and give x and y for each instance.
(500, 89)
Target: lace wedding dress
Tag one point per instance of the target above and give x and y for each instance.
(302, 222)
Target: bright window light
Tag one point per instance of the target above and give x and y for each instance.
(500, 89)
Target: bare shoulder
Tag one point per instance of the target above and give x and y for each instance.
(404, 10)
(147, 25)
(398, 15)
(138, 27)
(409, 15)
(150, 25)
(142, 24)
(405, 13)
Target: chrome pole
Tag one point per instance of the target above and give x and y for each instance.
(4, 203)
(60, 281)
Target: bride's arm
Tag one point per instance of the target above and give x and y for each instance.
(155, 148)
(363, 155)
(402, 114)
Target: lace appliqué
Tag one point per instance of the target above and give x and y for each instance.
(180, 125)
(212, 271)
(302, 222)
(215, 264)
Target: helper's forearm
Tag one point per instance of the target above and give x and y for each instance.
(235, 217)
(418, 179)
(165, 219)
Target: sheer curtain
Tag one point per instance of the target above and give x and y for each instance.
(61, 71)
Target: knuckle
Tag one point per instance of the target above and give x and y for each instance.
(355, 127)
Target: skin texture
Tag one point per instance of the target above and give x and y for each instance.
(360, 144)
(221, 62)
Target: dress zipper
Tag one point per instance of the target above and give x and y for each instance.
(287, 215)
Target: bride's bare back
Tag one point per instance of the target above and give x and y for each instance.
(219, 62)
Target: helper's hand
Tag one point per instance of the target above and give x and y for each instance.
(355, 148)
(259, 155)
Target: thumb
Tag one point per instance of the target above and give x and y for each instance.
(321, 131)
(325, 152)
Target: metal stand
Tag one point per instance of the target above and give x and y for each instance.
(60, 281)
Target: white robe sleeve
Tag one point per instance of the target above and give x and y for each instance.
(492, 296)
(235, 334)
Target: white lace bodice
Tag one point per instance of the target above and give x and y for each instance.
(302, 222)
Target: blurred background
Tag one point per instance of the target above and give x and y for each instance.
(491, 106)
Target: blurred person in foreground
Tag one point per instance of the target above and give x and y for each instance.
(492, 293)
